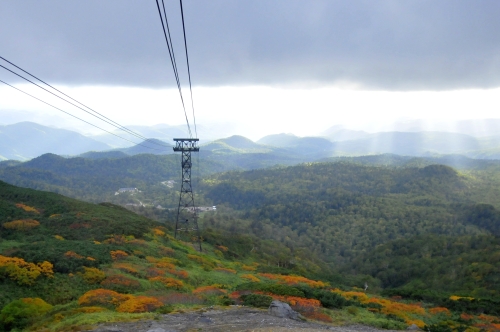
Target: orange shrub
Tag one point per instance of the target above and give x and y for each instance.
(120, 280)
(196, 258)
(103, 297)
(165, 265)
(152, 259)
(317, 315)
(466, 316)
(27, 208)
(118, 254)
(21, 224)
(250, 277)
(169, 282)
(72, 254)
(89, 310)
(166, 251)
(222, 269)
(126, 267)
(154, 272)
(139, 304)
(93, 275)
(248, 268)
(439, 310)
(209, 290)
(22, 272)
(293, 280)
(116, 239)
(179, 274)
(222, 248)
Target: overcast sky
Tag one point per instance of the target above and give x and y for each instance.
(265, 66)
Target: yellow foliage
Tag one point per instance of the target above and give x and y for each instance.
(54, 216)
(27, 208)
(456, 298)
(248, 268)
(21, 224)
(59, 237)
(139, 304)
(90, 310)
(97, 242)
(250, 277)
(152, 259)
(169, 282)
(22, 272)
(93, 275)
(158, 232)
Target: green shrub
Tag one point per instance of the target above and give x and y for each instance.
(20, 313)
(257, 300)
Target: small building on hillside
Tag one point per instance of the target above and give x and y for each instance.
(127, 190)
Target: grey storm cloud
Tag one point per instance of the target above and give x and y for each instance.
(394, 45)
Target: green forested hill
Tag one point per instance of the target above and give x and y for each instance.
(348, 213)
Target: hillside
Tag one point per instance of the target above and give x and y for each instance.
(343, 212)
(67, 265)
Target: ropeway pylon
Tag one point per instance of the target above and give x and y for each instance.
(186, 197)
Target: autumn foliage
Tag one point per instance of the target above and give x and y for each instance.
(139, 304)
(102, 297)
(24, 273)
(294, 280)
(250, 277)
(27, 208)
(118, 254)
(21, 224)
(169, 282)
(117, 280)
(93, 275)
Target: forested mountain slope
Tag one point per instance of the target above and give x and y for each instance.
(344, 212)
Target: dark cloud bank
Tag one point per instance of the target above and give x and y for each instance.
(395, 45)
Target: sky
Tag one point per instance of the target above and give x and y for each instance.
(258, 67)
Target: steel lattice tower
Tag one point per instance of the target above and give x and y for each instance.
(186, 197)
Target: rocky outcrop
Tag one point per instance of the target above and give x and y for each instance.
(283, 310)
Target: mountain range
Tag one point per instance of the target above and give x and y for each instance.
(27, 140)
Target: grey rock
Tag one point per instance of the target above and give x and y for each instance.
(413, 327)
(159, 329)
(282, 310)
(206, 320)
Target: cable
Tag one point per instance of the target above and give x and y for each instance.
(189, 72)
(57, 108)
(108, 122)
(119, 126)
(173, 66)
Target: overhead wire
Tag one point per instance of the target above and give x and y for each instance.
(99, 116)
(187, 62)
(174, 65)
(76, 117)
(115, 124)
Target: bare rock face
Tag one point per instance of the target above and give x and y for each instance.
(282, 310)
